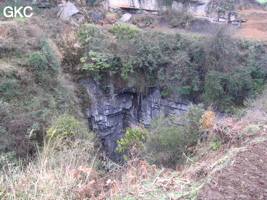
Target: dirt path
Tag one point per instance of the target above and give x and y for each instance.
(244, 178)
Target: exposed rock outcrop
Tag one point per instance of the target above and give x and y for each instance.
(138, 4)
(198, 8)
(67, 11)
(126, 17)
(96, 15)
(113, 110)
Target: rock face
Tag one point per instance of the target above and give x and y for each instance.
(126, 17)
(138, 4)
(113, 110)
(67, 11)
(196, 7)
(96, 15)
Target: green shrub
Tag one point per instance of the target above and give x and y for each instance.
(164, 145)
(67, 127)
(226, 89)
(4, 112)
(131, 52)
(149, 55)
(47, 51)
(169, 137)
(99, 62)
(214, 143)
(178, 18)
(91, 39)
(134, 137)
(9, 89)
(44, 64)
(220, 52)
(125, 33)
(39, 61)
(191, 122)
(254, 57)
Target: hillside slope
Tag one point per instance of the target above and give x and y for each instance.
(233, 170)
(36, 88)
(244, 176)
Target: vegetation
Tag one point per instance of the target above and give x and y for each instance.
(134, 138)
(207, 68)
(46, 149)
(33, 92)
(166, 142)
(52, 175)
(178, 18)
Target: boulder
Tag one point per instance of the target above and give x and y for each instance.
(96, 15)
(67, 11)
(126, 17)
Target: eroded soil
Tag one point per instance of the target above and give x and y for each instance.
(256, 25)
(245, 177)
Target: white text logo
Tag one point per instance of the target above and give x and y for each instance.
(17, 12)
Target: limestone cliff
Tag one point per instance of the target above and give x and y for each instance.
(138, 4)
(113, 110)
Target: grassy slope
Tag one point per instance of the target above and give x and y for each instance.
(33, 88)
(234, 169)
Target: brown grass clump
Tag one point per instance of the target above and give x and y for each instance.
(50, 176)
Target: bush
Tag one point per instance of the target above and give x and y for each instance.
(170, 137)
(178, 18)
(164, 145)
(226, 89)
(67, 127)
(99, 63)
(134, 138)
(124, 32)
(131, 52)
(143, 21)
(44, 65)
(220, 53)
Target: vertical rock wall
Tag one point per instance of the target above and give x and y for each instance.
(113, 110)
(196, 7)
(138, 4)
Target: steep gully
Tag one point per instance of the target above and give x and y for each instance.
(113, 110)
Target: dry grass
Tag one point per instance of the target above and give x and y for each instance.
(67, 173)
(51, 175)
(255, 27)
(257, 110)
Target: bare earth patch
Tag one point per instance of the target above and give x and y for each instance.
(245, 177)
(256, 25)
